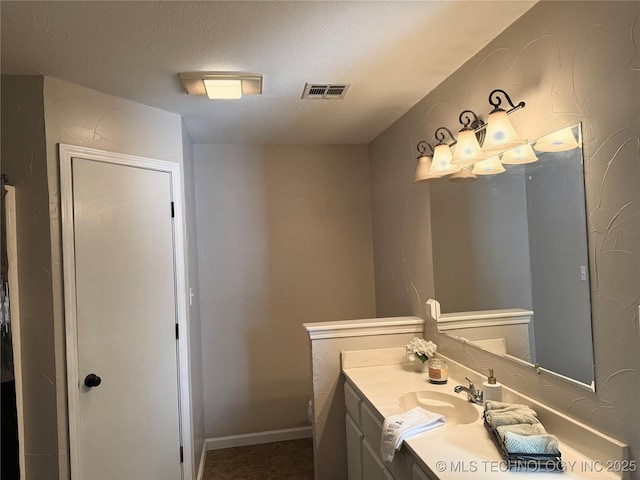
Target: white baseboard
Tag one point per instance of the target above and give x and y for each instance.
(257, 438)
(203, 457)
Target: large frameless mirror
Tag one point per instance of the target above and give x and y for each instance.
(512, 250)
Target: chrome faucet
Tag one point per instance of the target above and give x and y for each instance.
(473, 395)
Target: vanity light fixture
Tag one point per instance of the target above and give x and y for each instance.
(490, 166)
(468, 150)
(559, 141)
(519, 155)
(501, 135)
(424, 163)
(222, 85)
(441, 163)
(476, 141)
(465, 175)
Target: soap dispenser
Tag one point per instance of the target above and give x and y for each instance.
(492, 390)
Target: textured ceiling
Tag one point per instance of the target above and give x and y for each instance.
(393, 53)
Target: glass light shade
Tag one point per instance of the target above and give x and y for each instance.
(559, 141)
(468, 150)
(441, 163)
(490, 166)
(422, 170)
(219, 89)
(519, 155)
(465, 175)
(501, 135)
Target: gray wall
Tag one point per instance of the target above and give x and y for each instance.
(284, 238)
(570, 61)
(24, 160)
(80, 116)
(36, 117)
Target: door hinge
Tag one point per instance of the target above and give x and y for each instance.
(177, 331)
(181, 455)
(173, 211)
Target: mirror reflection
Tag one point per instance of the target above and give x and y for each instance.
(510, 253)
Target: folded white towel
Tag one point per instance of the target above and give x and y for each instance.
(398, 427)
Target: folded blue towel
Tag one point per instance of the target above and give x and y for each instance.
(522, 429)
(531, 444)
(519, 429)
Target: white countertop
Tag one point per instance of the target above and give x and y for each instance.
(454, 452)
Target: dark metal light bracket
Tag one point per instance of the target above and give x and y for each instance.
(440, 136)
(422, 149)
(496, 101)
(470, 121)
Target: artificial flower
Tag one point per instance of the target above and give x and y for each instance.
(420, 348)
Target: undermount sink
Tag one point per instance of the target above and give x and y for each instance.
(456, 410)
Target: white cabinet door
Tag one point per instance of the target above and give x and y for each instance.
(418, 474)
(386, 475)
(371, 465)
(352, 401)
(354, 450)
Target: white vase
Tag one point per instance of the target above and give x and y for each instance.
(419, 366)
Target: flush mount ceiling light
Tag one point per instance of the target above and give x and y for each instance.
(222, 85)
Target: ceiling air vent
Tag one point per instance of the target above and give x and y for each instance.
(325, 91)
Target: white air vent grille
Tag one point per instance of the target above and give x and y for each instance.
(325, 91)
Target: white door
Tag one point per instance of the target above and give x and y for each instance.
(127, 426)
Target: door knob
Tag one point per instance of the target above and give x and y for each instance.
(92, 380)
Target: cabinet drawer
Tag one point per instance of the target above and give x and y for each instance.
(352, 401)
(371, 426)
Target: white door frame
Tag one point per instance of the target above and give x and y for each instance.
(67, 152)
(14, 298)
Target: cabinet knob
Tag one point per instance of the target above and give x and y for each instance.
(92, 380)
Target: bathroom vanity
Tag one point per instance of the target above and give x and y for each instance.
(378, 384)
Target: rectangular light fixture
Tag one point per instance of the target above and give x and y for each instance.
(223, 89)
(222, 85)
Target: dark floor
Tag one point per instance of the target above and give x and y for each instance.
(290, 460)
